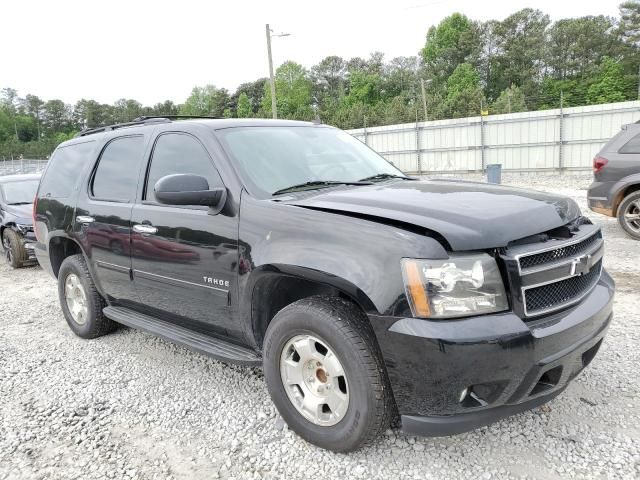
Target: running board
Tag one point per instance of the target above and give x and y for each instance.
(196, 341)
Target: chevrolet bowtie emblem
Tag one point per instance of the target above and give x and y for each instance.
(581, 265)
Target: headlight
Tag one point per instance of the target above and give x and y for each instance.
(459, 286)
(23, 228)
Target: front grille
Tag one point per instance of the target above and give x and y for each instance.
(550, 256)
(553, 274)
(558, 294)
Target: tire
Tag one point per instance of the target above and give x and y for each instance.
(87, 321)
(342, 329)
(630, 209)
(15, 253)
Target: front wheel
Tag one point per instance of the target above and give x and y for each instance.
(325, 373)
(629, 215)
(14, 252)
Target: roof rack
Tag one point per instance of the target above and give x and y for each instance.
(107, 128)
(144, 120)
(175, 117)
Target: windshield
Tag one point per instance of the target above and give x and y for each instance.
(274, 158)
(20, 192)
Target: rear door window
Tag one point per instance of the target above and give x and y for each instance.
(63, 172)
(632, 146)
(116, 178)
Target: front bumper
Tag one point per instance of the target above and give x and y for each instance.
(29, 246)
(451, 376)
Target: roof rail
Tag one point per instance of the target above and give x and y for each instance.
(137, 121)
(144, 120)
(175, 117)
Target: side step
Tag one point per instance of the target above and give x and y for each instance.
(199, 342)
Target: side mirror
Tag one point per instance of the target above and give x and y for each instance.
(187, 189)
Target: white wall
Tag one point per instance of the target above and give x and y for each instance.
(541, 140)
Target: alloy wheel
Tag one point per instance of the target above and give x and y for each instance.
(76, 299)
(632, 216)
(314, 380)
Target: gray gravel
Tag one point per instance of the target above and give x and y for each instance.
(132, 406)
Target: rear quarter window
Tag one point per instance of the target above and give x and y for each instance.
(63, 172)
(632, 146)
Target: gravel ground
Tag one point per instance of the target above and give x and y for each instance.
(129, 405)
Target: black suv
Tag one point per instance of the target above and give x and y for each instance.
(615, 190)
(16, 218)
(366, 295)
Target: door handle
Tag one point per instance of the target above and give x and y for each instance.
(145, 229)
(85, 219)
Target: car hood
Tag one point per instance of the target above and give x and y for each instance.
(468, 215)
(23, 213)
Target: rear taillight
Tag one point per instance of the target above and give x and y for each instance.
(599, 163)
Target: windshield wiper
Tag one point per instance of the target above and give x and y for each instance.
(317, 184)
(20, 203)
(382, 176)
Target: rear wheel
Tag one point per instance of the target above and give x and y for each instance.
(629, 215)
(14, 252)
(80, 301)
(325, 373)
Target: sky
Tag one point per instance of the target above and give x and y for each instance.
(152, 51)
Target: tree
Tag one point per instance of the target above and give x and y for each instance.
(629, 26)
(244, 109)
(575, 46)
(609, 85)
(56, 117)
(91, 114)
(400, 77)
(454, 41)
(206, 101)
(293, 93)
(254, 91)
(32, 106)
(165, 108)
(520, 48)
(126, 110)
(511, 100)
(464, 95)
(329, 79)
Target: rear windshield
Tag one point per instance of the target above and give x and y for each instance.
(272, 158)
(19, 193)
(63, 173)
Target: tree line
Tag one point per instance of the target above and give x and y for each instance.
(524, 62)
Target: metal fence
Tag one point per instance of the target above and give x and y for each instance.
(552, 140)
(21, 165)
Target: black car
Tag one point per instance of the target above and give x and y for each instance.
(17, 193)
(366, 295)
(615, 190)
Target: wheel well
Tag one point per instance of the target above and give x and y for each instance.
(623, 194)
(59, 249)
(3, 228)
(275, 291)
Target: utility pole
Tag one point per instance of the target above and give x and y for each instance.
(274, 110)
(424, 100)
(509, 100)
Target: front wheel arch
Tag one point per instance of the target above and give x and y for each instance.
(275, 288)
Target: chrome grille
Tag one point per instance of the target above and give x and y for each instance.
(537, 259)
(548, 276)
(547, 297)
